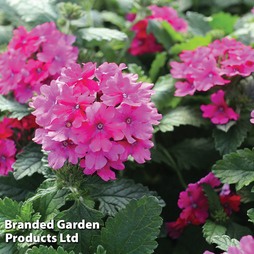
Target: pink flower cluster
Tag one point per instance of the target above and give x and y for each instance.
(219, 113)
(142, 42)
(8, 136)
(204, 67)
(195, 204)
(246, 246)
(97, 123)
(35, 58)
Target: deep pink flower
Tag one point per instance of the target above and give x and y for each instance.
(219, 113)
(175, 229)
(211, 180)
(7, 153)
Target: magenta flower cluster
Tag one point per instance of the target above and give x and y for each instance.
(95, 122)
(204, 67)
(35, 58)
(142, 42)
(194, 204)
(246, 246)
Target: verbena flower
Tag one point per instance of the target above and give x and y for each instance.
(35, 58)
(146, 43)
(219, 113)
(97, 122)
(7, 153)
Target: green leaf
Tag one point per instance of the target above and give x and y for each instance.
(28, 161)
(100, 250)
(17, 110)
(157, 64)
(9, 247)
(48, 199)
(136, 69)
(18, 189)
(133, 229)
(223, 21)
(47, 250)
(211, 229)
(164, 92)
(125, 5)
(237, 168)
(175, 36)
(237, 231)
(213, 199)
(6, 34)
(224, 241)
(78, 212)
(113, 18)
(198, 153)
(182, 115)
(226, 3)
(100, 34)
(250, 213)
(246, 193)
(197, 24)
(162, 36)
(118, 194)
(192, 44)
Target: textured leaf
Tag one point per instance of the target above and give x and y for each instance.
(113, 18)
(164, 95)
(224, 21)
(250, 213)
(227, 142)
(237, 231)
(133, 229)
(136, 69)
(76, 213)
(246, 193)
(6, 34)
(180, 116)
(28, 161)
(157, 64)
(211, 229)
(117, 195)
(213, 199)
(197, 24)
(175, 36)
(237, 168)
(17, 110)
(160, 33)
(47, 250)
(9, 247)
(192, 44)
(100, 34)
(100, 250)
(18, 189)
(224, 241)
(48, 199)
(197, 153)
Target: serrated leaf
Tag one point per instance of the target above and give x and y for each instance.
(118, 194)
(246, 193)
(18, 189)
(162, 36)
(182, 115)
(113, 18)
(16, 109)
(211, 229)
(48, 199)
(224, 241)
(47, 250)
(213, 199)
(237, 231)
(237, 168)
(227, 142)
(192, 44)
(136, 69)
(28, 161)
(100, 250)
(157, 64)
(76, 213)
(198, 153)
(164, 95)
(223, 21)
(198, 26)
(133, 229)
(100, 34)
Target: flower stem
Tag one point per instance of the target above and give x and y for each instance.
(175, 167)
